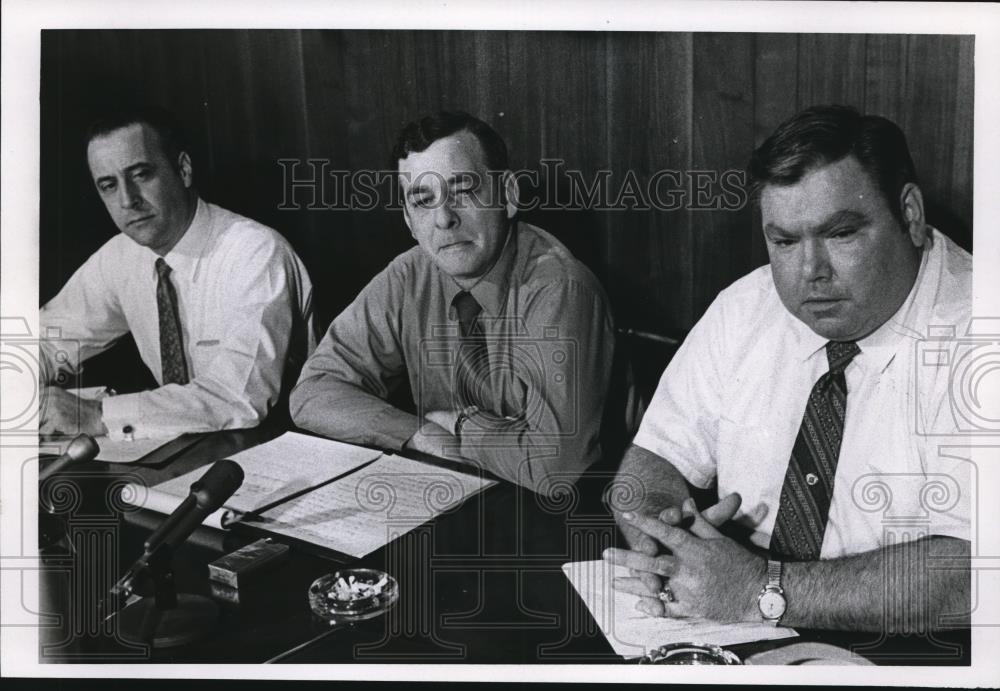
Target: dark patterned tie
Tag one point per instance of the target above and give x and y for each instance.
(172, 360)
(808, 487)
(472, 368)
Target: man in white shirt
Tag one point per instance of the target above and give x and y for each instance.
(219, 305)
(803, 393)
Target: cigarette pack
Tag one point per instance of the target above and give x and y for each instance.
(236, 568)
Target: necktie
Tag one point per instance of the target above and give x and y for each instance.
(472, 367)
(808, 487)
(173, 364)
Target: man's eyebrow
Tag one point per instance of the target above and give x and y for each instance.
(128, 169)
(827, 224)
(462, 177)
(843, 216)
(417, 190)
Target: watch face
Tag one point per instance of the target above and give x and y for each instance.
(772, 604)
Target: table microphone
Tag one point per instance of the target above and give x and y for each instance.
(207, 495)
(168, 618)
(83, 448)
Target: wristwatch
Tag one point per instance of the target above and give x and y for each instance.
(771, 601)
(467, 412)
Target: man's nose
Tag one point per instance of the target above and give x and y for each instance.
(129, 195)
(445, 216)
(815, 261)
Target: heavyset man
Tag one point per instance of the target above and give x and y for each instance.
(801, 392)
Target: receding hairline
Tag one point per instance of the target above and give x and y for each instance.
(147, 130)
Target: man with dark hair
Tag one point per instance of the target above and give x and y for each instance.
(506, 339)
(802, 393)
(219, 305)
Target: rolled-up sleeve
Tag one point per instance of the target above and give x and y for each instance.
(343, 388)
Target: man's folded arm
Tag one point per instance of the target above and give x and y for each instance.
(243, 380)
(565, 368)
(344, 385)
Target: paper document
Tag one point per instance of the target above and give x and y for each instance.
(367, 509)
(632, 633)
(273, 471)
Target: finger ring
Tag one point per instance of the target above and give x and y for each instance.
(666, 594)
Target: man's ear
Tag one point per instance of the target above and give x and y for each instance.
(512, 195)
(185, 169)
(911, 203)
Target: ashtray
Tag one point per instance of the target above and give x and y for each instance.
(352, 594)
(690, 654)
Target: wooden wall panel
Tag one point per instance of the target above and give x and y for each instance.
(722, 139)
(649, 275)
(628, 103)
(831, 69)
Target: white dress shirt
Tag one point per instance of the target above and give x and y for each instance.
(730, 403)
(245, 305)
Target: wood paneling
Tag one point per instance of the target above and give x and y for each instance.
(631, 104)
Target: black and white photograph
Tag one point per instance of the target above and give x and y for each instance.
(500, 343)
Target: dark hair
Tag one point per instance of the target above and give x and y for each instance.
(420, 134)
(169, 131)
(821, 135)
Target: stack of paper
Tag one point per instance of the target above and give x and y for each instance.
(373, 506)
(340, 496)
(273, 472)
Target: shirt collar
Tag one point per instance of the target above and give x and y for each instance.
(491, 290)
(183, 258)
(880, 347)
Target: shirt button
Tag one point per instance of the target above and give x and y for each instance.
(811, 479)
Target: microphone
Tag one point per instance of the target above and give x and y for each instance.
(208, 494)
(168, 618)
(83, 448)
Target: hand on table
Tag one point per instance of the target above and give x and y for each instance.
(435, 436)
(710, 574)
(65, 413)
(445, 419)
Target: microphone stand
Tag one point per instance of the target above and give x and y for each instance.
(167, 618)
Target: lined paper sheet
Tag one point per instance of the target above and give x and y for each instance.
(632, 633)
(272, 472)
(360, 513)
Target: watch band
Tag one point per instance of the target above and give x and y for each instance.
(771, 600)
(774, 572)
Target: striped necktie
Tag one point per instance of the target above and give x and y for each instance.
(472, 366)
(808, 487)
(172, 362)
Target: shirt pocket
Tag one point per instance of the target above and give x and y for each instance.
(204, 350)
